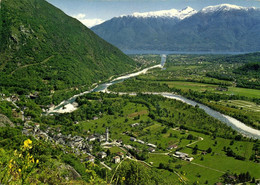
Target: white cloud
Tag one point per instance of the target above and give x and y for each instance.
(80, 16)
(88, 22)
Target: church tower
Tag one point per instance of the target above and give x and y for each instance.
(107, 134)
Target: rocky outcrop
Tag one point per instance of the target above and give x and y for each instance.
(5, 121)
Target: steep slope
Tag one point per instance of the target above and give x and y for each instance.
(215, 28)
(43, 49)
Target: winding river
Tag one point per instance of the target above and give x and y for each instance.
(70, 104)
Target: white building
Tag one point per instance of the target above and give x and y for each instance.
(116, 159)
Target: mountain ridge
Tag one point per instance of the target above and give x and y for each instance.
(215, 28)
(172, 13)
(225, 7)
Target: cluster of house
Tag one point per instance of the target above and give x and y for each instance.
(99, 137)
(78, 144)
(16, 111)
(15, 98)
(152, 146)
(102, 155)
(183, 156)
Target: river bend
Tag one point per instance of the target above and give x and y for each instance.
(70, 105)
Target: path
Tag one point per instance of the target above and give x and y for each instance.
(142, 162)
(208, 167)
(46, 60)
(105, 165)
(200, 139)
(160, 153)
(180, 177)
(116, 170)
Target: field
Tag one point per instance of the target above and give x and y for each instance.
(245, 105)
(201, 87)
(208, 167)
(207, 81)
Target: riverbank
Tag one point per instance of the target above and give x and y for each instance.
(68, 106)
(232, 122)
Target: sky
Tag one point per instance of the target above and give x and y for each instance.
(93, 12)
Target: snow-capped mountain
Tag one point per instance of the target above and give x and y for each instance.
(222, 27)
(172, 13)
(224, 7)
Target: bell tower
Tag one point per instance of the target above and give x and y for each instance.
(107, 134)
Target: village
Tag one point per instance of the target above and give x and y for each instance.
(83, 146)
(94, 147)
(109, 140)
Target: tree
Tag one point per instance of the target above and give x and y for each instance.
(209, 150)
(161, 166)
(164, 131)
(253, 180)
(108, 152)
(131, 172)
(195, 150)
(190, 137)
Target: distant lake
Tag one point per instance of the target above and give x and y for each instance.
(158, 52)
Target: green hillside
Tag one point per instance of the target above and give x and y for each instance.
(43, 49)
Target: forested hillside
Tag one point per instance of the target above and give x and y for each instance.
(43, 49)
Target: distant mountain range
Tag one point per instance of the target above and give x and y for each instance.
(43, 49)
(223, 27)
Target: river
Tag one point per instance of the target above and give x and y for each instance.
(70, 105)
(160, 52)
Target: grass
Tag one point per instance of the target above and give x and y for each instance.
(191, 85)
(169, 177)
(116, 149)
(245, 105)
(230, 164)
(138, 113)
(210, 169)
(194, 173)
(252, 93)
(157, 159)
